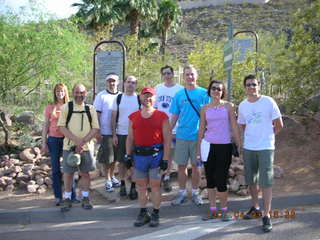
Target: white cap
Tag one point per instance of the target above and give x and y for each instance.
(112, 76)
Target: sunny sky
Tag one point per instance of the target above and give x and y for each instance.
(59, 8)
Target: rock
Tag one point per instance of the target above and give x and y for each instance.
(37, 151)
(231, 172)
(241, 180)
(32, 182)
(6, 118)
(28, 155)
(12, 174)
(23, 184)
(42, 189)
(9, 188)
(28, 167)
(22, 177)
(40, 181)
(3, 181)
(32, 188)
(278, 172)
(16, 161)
(2, 172)
(234, 186)
(4, 158)
(243, 192)
(17, 169)
(317, 116)
(11, 181)
(48, 181)
(14, 155)
(44, 167)
(26, 118)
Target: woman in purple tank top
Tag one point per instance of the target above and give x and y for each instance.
(217, 127)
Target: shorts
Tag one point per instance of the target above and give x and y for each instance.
(184, 150)
(106, 152)
(258, 167)
(88, 162)
(153, 173)
(120, 150)
(217, 166)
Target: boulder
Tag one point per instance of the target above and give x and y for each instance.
(48, 181)
(40, 180)
(278, 172)
(28, 155)
(241, 180)
(28, 167)
(234, 185)
(44, 167)
(32, 188)
(42, 189)
(9, 188)
(26, 118)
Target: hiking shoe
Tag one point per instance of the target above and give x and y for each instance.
(133, 194)
(115, 182)
(166, 186)
(142, 219)
(154, 221)
(109, 187)
(123, 191)
(66, 205)
(226, 216)
(85, 203)
(76, 200)
(266, 224)
(252, 213)
(196, 199)
(211, 215)
(181, 198)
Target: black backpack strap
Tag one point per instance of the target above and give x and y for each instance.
(194, 108)
(118, 103)
(87, 109)
(139, 102)
(70, 111)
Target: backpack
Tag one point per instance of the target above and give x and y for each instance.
(70, 112)
(118, 103)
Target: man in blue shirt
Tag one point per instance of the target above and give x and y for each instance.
(185, 109)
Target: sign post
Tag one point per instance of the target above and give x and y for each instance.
(105, 62)
(228, 58)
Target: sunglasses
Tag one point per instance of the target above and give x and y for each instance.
(216, 89)
(166, 73)
(251, 84)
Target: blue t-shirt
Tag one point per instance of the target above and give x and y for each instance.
(188, 121)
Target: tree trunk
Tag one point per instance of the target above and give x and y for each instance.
(134, 22)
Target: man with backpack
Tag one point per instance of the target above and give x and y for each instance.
(79, 124)
(106, 153)
(123, 105)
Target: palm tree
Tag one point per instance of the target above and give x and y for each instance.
(99, 15)
(169, 14)
(136, 10)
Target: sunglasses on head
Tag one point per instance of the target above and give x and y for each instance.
(216, 89)
(251, 84)
(166, 73)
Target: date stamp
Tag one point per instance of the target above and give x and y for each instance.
(277, 213)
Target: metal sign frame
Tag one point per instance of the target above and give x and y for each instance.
(94, 60)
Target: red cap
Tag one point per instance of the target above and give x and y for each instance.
(148, 90)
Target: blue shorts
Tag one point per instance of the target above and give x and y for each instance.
(144, 163)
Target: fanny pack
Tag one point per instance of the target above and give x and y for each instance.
(148, 150)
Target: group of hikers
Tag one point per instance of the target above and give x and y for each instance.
(144, 133)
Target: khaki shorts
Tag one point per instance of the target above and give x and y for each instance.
(153, 173)
(88, 162)
(185, 150)
(258, 167)
(106, 152)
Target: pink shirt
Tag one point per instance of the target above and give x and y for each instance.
(53, 116)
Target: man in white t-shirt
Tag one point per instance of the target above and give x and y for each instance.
(123, 105)
(260, 119)
(165, 92)
(106, 154)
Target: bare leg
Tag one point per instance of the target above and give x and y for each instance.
(267, 198)
(254, 192)
(68, 180)
(212, 197)
(195, 176)
(182, 176)
(155, 193)
(223, 196)
(85, 181)
(142, 191)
